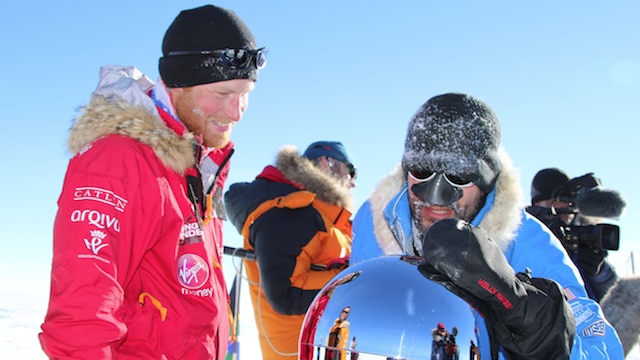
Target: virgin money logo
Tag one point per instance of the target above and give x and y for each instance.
(193, 271)
(101, 195)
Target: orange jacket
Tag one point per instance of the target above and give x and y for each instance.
(294, 235)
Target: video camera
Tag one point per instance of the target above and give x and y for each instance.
(582, 198)
(574, 237)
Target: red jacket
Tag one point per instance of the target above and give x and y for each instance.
(136, 270)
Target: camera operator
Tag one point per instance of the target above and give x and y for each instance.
(574, 209)
(553, 204)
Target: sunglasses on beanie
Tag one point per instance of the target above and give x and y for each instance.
(231, 58)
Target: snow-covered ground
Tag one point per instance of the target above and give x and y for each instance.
(20, 317)
(22, 313)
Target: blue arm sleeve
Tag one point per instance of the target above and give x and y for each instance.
(537, 249)
(365, 245)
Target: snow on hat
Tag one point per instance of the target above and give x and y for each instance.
(333, 149)
(545, 182)
(205, 28)
(455, 134)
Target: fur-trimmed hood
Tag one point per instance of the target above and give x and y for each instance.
(101, 118)
(293, 173)
(621, 306)
(500, 217)
(301, 170)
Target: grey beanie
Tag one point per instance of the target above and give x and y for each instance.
(455, 134)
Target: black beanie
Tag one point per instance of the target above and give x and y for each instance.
(545, 182)
(455, 134)
(204, 28)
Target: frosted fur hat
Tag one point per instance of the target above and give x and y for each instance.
(455, 134)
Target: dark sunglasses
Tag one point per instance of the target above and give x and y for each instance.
(427, 175)
(352, 171)
(344, 311)
(231, 58)
(350, 168)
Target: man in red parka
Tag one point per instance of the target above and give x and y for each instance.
(137, 243)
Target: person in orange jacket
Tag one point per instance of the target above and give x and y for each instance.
(338, 337)
(296, 217)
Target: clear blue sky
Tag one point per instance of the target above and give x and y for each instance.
(563, 77)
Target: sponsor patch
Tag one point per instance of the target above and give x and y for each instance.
(192, 271)
(96, 218)
(101, 195)
(96, 243)
(583, 314)
(190, 234)
(598, 328)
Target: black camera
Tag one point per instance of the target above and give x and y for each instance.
(583, 197)
(599, 236)
(575, 237)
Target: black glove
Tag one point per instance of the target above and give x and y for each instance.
(591, 260)
(529, 317)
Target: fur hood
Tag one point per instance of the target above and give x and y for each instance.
(301, 170)
(101, 118)
(501, 219)
(294, 172)
(621, 306)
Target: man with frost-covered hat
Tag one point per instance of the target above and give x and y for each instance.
(455, 200)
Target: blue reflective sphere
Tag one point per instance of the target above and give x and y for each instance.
(383, 308)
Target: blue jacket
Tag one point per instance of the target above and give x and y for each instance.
(382, 226)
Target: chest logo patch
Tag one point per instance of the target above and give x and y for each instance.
(193, 271)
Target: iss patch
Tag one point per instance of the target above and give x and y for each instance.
(598, 328)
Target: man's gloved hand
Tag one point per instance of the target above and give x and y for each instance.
(591, 260)
(529, 317)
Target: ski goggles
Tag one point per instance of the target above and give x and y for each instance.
(436, 188)
(231, 58)
(423, 176)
